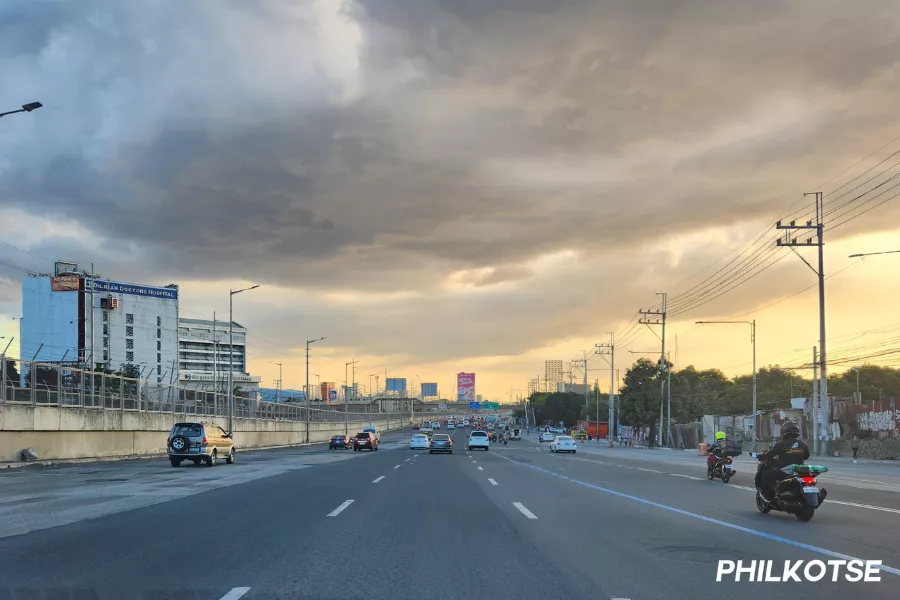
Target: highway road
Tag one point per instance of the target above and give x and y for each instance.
(514, 522)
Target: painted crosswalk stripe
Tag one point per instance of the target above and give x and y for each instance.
(339, 509)
(524, 510)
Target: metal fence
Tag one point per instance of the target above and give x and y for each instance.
(42, 384)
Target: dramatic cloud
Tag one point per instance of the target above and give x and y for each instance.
(495, 176)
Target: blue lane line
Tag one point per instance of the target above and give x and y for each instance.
(762, 534)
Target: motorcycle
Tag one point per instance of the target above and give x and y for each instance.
(797, 493)
(723, 469)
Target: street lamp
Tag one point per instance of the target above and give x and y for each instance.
(752, 325)
(25, 108)
(231, 295)
(280, 384)
(873, 253)
(306, 389)
(858, 396)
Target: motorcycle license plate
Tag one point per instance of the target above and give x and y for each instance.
(810, 490)
(729, 467)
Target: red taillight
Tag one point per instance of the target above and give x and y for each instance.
(168, 440)
(808, 480)
(727, 461)
(204, 440)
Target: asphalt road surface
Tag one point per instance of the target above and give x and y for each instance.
(514, 522)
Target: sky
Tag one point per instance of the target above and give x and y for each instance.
(476, 185)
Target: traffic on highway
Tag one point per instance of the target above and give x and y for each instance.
(571, 518)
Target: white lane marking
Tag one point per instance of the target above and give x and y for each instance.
(524, 510)
(685, 476)
(648, 470)
(235, 593)
(842, 502)
(379, 479)
(481, 468)
(726, 524)
(492, 481)
(340, 508)
(397, 467)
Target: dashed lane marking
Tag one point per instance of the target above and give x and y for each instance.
(397, 466)
(492, 481)
(524, 510)
(481, 468)
(379, 479)
(338, 510)
(235, 593)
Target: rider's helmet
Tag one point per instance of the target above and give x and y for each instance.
(720, 435)
(790, 430)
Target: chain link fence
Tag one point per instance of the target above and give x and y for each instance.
(42, 384)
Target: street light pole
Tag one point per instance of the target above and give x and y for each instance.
(858, 396)
(279, 385)
(752, 325)
(25, 108)
(306, 389)
(231, 294)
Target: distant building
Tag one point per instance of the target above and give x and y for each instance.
(534, 386)
(204, 357)
(553, 373)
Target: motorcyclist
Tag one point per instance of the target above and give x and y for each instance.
(791, 450)
(716, 450)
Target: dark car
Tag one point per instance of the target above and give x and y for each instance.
(441, 442)
(365, 439)
(339, 441)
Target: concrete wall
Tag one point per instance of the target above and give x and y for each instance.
(64, 433)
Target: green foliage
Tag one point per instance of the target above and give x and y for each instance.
(696, 393)
(12, 373)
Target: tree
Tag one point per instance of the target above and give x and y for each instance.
(12, 373)
(567, 407)
(640, 395)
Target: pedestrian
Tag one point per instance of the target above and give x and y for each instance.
(854, 445)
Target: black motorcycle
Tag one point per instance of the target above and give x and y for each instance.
(723, 469)
(796, 493)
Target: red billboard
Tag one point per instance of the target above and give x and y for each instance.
(65, 283)
(465, 387)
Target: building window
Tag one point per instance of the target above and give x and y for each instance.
(158, 333)
(129, 344)
(159, 321)
(158, 357)
(158, 345)
(105, 356)
(129, 318)
(159, 371)
(105, 328)
(105, 316)
(129, 331)
(129, 357)
(106, 342)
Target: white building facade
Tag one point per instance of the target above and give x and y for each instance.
(205, 357)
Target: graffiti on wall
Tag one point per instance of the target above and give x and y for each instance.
(886, 420)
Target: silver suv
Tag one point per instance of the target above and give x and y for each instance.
(196, 441)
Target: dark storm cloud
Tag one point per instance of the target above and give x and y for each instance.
(388, 144)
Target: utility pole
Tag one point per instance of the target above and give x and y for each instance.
(658, 317)
(815, 402)
(215, 362)
(604, 350)
(791, 243)
(306, 389)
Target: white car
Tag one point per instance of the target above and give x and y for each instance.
(419, 442)
(435, 425)
(563, 443)
(546, 437)
(451, 426)
(479, 439)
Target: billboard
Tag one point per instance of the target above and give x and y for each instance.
(65, 283)
(395, 384)
(429, 390)
(465, 387)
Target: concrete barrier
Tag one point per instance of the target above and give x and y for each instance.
(71, 433)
